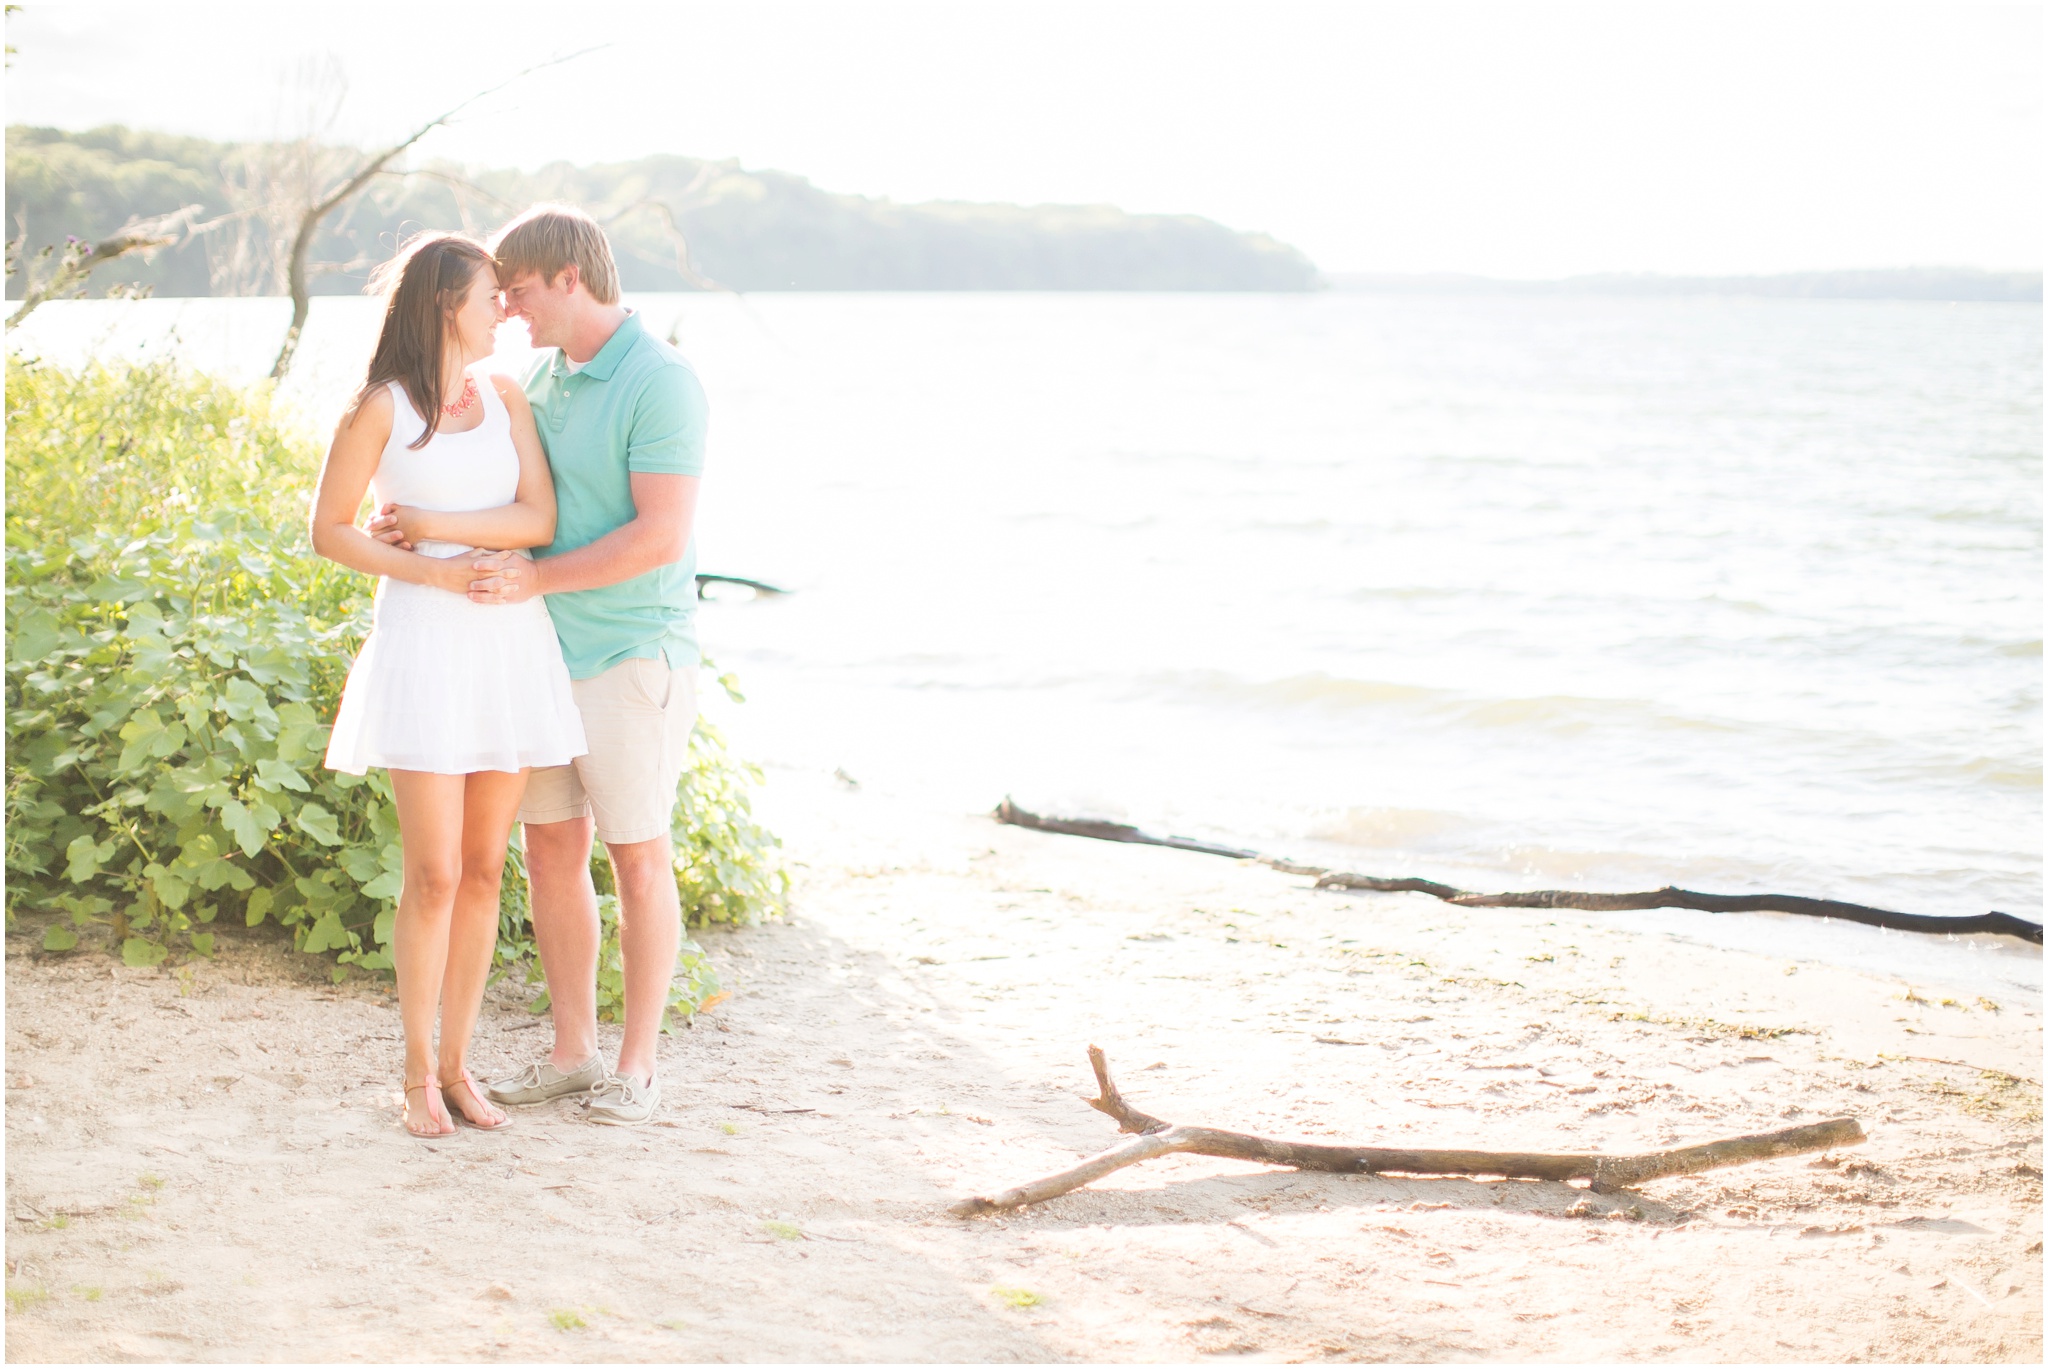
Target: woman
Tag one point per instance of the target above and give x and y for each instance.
(457, 700)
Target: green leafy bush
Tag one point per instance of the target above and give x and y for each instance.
(174, 653)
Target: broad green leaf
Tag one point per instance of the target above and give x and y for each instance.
(36, 634)
(360, 862)
(300, 733)
(385, 885)
(248, 833)
(276, 774)
(168, 741)
(318, 823)
(217, 871)
(326, 934)
(140, 732)
(84, 910)
(269, 666)
(171, 798)
(152, 655)
(171, 887)
(202, 942)
(296, 714)
(84, 857)
(142, 723)
(238, 735)
(141, 954)
(59, 938)
(244, 702)
(259, 905)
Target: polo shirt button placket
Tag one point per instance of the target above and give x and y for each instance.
(558, 412)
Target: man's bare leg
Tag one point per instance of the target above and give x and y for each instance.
(650, 932)
(565, 929)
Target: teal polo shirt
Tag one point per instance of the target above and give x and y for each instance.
(635, 406)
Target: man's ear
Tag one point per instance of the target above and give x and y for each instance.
(570, 277)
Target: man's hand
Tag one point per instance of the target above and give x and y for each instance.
(504, 577)
(391, 525)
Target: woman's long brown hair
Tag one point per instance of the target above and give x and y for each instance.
(432, 273)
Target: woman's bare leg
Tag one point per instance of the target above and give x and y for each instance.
(490, 802)
(430, 826)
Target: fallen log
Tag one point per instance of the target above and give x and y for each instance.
(2001, 924)
(705, 577)
(1606, 1173)
(1103, 830)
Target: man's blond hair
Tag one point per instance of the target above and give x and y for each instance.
(549, 237)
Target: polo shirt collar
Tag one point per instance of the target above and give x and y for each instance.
(601, 366)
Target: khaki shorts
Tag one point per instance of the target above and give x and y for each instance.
(637, 718)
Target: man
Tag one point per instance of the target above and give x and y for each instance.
(622, 418)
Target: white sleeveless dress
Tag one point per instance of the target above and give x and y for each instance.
(442, 684)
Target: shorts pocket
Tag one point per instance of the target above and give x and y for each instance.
(653, 681)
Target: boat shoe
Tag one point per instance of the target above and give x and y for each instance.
(621, 1101)
(540, 1081)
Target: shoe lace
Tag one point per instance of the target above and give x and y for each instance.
(627, 1088)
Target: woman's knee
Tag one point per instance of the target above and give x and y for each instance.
(431, 881)
(482, 875)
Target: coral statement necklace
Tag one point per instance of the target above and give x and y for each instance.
(461, 406)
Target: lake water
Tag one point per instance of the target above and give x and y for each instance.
(1733, 594)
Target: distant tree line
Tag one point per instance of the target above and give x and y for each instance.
(1909, 282)
(679, 223)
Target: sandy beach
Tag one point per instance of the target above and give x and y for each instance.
(206, 1163)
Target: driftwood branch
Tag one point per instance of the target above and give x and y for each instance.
(1154, 1137)
(2004, 924)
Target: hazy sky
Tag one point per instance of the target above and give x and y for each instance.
(1522, 139)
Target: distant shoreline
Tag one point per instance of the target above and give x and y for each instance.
(676, 223)
(1911, 283)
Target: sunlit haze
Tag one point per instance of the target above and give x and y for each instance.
(1521, 140)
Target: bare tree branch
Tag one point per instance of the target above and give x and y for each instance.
(460, 183)
(80, 259)
(366, 170)
(684, 267)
